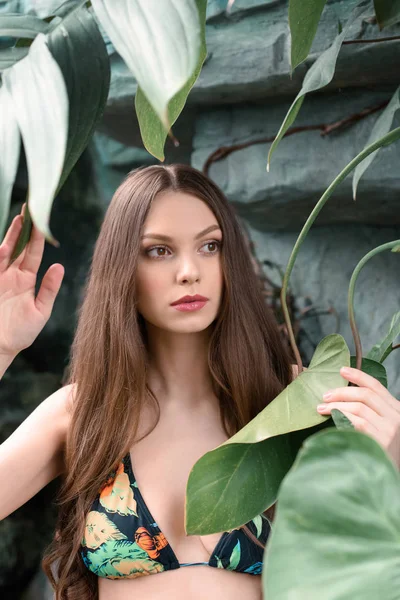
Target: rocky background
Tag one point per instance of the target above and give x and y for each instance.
(239, 102)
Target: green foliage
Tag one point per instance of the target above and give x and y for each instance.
(336, 532)
(381, 351)
(387, 12)
(233, 483)
(304, 16)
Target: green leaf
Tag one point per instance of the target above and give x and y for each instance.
(336, 531)
(387, 12)
(151, 129)
(381, 351)
(381, 126)
(304, 16)
(340, 420)
(24, 26)
(10, 56)
(396, 248)
(79, 49)
(373, 368)
(10, 146)
(40, 100)
(319, 75)
(160, 46)
(230, 485)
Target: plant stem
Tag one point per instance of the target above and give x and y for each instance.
(387, 139)
(353, 280)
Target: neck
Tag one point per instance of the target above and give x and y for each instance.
(178, 370)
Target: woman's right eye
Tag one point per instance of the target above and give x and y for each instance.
(147, 252)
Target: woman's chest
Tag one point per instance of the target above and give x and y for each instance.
(161, 464)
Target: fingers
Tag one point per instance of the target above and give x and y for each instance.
(364, 380)
(49, 289)
(9, 242)
(355, 409)
(361, 395)
(33, 252)
(365, 426)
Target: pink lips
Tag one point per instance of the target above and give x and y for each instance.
(185, 299)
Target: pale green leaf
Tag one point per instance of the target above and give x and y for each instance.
(387, 12)
(381, 351)
(151, 129)
(230, 485)
(319, 75)
(336, 531)
(10, 56)
(396, 248)
(380, 128)
(159, 41)
(21, 26)
(304, 16)
(258, 523)
(40, 99)
(10, 145)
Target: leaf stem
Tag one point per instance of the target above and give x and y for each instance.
(387, 139)
(353, 280)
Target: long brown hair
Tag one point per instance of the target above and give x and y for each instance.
(248, 361)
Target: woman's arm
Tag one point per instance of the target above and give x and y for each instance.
(33, 455)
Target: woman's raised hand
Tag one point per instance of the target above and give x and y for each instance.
(22, 316)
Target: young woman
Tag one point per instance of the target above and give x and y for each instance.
(175, 350)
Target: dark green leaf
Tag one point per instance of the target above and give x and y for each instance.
(387, 12)
(336, 531)
(373, 368)
(304, 16)
(340, 420)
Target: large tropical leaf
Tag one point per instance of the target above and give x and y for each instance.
(24, 26)
(320, 74)
(10, 144)
(336, 531)
(304, 16)
(381, 351)
(381, 126)
(387, 12)
(10, 56)
(230, 485)
(74, 42)
(160, 42)
(151, 129)
(40, 100)
(83, 60)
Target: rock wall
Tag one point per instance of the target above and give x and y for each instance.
(241, 97)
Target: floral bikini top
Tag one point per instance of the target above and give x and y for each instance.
(122, 540)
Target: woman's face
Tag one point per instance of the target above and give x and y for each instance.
(188, 263)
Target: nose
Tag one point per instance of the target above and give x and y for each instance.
(188, 271)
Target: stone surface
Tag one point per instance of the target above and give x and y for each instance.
(321, 278)
(304, 164)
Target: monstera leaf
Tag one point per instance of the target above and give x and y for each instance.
(238, 480)
(337, 524)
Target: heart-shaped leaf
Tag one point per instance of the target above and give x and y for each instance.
(40, 99)
(231, 484)
(381, 351)
(319, 75)
(10, 146)
(159, 41)
(380, 128)
(304, 16)
(336, 531)
(387, 12)
(373, 368)
(24, 26)
(151, 129)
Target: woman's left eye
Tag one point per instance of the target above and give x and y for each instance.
(164, 249)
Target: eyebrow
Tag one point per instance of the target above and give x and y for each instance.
(167, 238)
